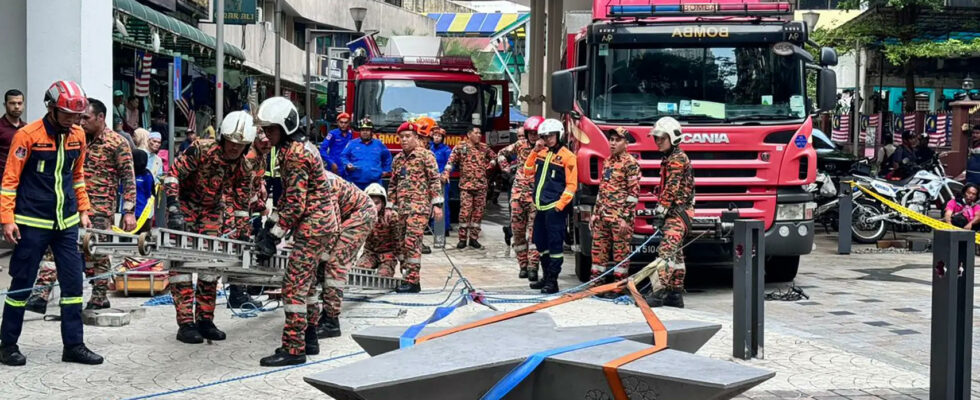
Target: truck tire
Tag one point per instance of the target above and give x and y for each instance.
(782, 268)
(583, 266)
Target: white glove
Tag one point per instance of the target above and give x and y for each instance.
(649, 270)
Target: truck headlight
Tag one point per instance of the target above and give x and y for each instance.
(791, 212)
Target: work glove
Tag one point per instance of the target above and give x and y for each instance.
(175, 219)
(649, 270)
(659, 215)
(265, 244)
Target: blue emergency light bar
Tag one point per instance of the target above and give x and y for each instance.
(699, 9)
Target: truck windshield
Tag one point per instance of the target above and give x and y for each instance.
(390, 102)
(716, 84)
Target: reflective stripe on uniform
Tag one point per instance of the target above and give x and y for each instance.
(334, 283)
(15, 303)
(68, 301)
(241, 213)
(78, 185)
(207, 278)
(71, 221)
(181, 278)
(543, 253)
(33, 222)
(8, 192)
(520, 248)
(557, 255)
(631, 199)
(413, 260)
(171, 179)
(312, 300)
(295, 308)
(272, 171)
(544, 175)
(59, 193)
(438, 200)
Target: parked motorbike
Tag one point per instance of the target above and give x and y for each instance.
(928, 187)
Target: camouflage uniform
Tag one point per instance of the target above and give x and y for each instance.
(357, 217)
(614, 210)
(676, 195)
(522, 208)
(108, 165)
(209, 189)
(381, 245)
(414, 188)
(244, 204)
(473, 161)
(308, 209)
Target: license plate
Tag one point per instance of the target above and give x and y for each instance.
(645, 249)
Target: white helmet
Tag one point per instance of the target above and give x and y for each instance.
(238, 127)
(550, 127)
(375, 189)
(279, 111)
(668, 126)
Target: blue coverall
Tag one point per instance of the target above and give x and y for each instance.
(442, 152)
(368, 159)
(332, 146)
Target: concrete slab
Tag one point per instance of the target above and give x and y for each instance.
(112, 316)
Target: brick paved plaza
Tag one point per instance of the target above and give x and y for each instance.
(863, 334)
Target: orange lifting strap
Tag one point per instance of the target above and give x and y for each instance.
(611, 369)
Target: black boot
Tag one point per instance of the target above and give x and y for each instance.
(209, 331)
(81, 354)
(522, 274)
(312, 344)
(329, 327)
(674, 299)
(237, 298)
(188, 333)
(36, 304)
(406, 287)
(550, 286)
(475, 244)
(10, 355)
(461, 245)
(532, 275)
(541, 283)
(282, 358)
(656, 299)
(426, 249)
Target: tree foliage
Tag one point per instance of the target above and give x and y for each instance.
(483, 61)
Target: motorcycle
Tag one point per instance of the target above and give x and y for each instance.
(927, 187)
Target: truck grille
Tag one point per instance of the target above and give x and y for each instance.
(707, 155)
(708, 173)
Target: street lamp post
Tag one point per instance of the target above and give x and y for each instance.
(357, 14)
(811, 17)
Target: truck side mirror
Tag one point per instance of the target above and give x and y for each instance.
(828, 57)
(562, 91)
(826, 89)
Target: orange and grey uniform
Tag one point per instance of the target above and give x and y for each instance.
(473, 160)
(676, 195)
(108, 168)
(555, 173)
(415, 187)
(205, 185)
(522, 208)
(357, 217)
(308, 210)
(614, 210)
(43, 192)
(381, 245)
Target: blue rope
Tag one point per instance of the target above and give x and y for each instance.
(243, 377)
(407, 339)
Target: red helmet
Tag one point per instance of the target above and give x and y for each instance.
(532, 122)
(67, 96)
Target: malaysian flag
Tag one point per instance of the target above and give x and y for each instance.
(841, 130)
(873, 121)
(189, 114)
(144, 63)
(936, 127)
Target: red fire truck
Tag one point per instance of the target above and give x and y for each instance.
(734, 74)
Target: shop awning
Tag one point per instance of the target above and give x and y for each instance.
(474, 24)
(176, 36)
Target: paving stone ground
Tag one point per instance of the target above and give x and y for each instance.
(863, 334)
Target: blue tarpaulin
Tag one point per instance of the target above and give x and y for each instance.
(516, 117)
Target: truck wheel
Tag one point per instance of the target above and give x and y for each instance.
(583, 266)
(782, 268)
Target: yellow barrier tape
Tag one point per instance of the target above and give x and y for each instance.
(147, 210)
(923, 219)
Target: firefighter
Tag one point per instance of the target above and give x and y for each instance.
(555, 173)
(441, 151)
(108, 168)
(675, 203)
(381, 244)
(615, 206)
(415, 193)
(42, 202)
(245, 205)
(427, 127)
(474, 158)
(308, 211)
(522, 199)
(335, 142)
(366, 160)
(356, 217)
(201, 188)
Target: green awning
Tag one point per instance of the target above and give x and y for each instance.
(190, 41)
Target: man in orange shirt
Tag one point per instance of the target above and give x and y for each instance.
(42, 202)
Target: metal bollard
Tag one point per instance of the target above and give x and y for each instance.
(844, 209)
(952, 315)
(749, 286)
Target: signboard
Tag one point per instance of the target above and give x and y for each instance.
(240, 12)
(177, 74)
(196, 7)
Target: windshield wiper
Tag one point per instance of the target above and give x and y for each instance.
(762, 117)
